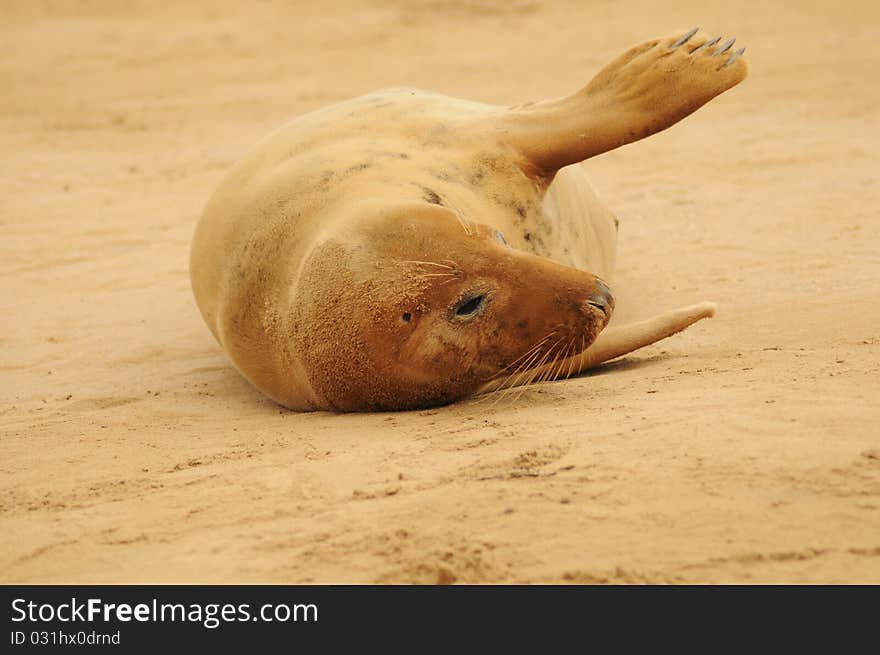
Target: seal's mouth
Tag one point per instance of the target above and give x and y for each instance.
(555, 355)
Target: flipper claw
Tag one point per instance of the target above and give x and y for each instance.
(734, 57)
(707, 44)
(725, 47)
(685, 38)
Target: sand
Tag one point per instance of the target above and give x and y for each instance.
(743, 450)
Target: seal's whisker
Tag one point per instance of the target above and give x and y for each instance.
(542, 370)
(559, 364)
(473, 359)
(559, 370)
(551, 368)
(463, 223)
(540, 365)
(563, 361)
(569, 353)
(520, 367)
(549, 352)
(571, 359)
(416, 261)
(583, 353)
(557, 373)
(524, 386)
(459, 216)
(554, 370)
(548, 370)
(520, 371)
(526, 353)
(530, 382)
(522, 358)
(504, 385)
(527, 369)
(502, 391)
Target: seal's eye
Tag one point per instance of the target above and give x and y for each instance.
(406, 318)
(500, 237)
(469, 306)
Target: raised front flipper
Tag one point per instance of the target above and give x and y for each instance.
(646, 89)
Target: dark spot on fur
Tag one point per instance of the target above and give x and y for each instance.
(527, 236)
(522, 324)
(431, 196)
(324, 181)
(520, 209)
(477, 177)
(357, 167)
(392, 155)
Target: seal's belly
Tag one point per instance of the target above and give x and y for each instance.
(575, 227)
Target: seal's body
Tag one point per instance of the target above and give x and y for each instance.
(406, 249)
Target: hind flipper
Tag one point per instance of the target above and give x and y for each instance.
(615, 342)
(647, 89)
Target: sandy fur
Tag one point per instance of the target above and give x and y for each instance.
(308, 184)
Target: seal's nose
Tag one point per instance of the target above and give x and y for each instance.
(601, 299)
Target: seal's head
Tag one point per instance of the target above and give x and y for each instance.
(418, 308)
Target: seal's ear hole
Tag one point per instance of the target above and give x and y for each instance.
(469, 306)
(406, 318)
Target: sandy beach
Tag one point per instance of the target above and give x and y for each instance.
(744, 450)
